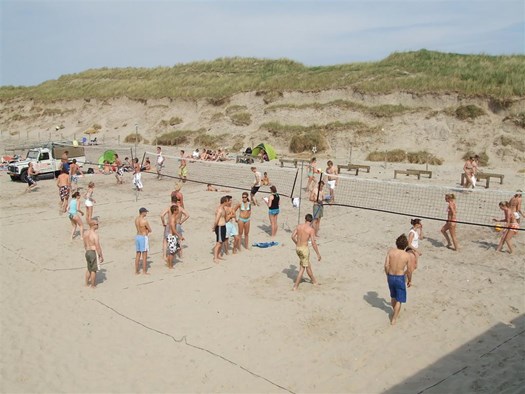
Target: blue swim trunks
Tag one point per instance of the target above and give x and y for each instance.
(397, 286)
(141, 243)
(273, 211)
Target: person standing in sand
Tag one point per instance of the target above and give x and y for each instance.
(245, 213)
(166, 226)
(174, 237)
(30, 177)
(312, 170)
(450, 225)
(178, 194)
(414, 235)
(142, 241)
(89, 201)
(331, 172)
(93, 248)
(515, 206)
(183, 169)
(74, 173)
(256, 185)
(219, 227)
(316, 196)
(511, 224)
(273, 202)
(64, 161)
(181, 215)
(160, 162)
(468, 169)
(74, 210)
(398, 274)
(137, 181)
(119, 170)
(64, 186)
(302, 234)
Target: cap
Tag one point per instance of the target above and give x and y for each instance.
(142, 210)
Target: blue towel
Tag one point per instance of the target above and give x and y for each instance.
(265, 244)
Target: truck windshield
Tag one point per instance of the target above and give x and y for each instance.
(32, 155)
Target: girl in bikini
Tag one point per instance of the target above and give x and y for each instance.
(89, 201)
(74, 210)
(450, 225)
(245, 212)
(312, 170)
(511, 224)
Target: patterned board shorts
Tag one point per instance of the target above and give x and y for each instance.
(173, 244)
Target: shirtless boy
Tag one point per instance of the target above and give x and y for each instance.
(92, 247)
(166, 226)
(316, 196)
(30, 178)
(397, 267)
(74, 170)
(300, 236)
(64, 187)
(137, 175)
(256, 185)
(219, 227)
(180, 216)
(183, 169)
(160, 162)
(174, 236)
(331, 171)
(141, 241)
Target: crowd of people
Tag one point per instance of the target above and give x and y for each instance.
(232, 220)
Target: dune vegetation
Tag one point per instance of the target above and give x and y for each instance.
(497, 77)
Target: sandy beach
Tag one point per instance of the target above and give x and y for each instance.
(236, 326)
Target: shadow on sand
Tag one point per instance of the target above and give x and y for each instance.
(491, 362)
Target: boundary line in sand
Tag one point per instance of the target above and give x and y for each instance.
(181, 340)
(467, 366)
(184, 340)
(105, 263)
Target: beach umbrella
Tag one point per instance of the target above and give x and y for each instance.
(267, 148)
(91, 131)
(108, 155)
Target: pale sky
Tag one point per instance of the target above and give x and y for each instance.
(42, 40)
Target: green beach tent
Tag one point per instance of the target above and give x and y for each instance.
(267, 148)
(108, 155)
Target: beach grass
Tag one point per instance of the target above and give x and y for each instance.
(419, 72)
(401, 156)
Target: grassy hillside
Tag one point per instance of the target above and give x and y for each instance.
(418, 72)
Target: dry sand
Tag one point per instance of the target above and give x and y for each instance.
(237, 326)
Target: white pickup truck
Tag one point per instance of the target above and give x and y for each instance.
(46, 160)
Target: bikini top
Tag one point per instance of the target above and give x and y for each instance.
(246, 207)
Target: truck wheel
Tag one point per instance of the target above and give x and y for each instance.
(14, 178)
(23, 175)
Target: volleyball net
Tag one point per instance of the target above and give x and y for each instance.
(474, 206)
